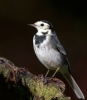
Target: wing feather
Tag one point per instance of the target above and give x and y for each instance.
(59, 48)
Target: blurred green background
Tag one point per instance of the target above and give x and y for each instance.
(69, 19)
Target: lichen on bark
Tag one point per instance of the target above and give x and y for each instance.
(19, 84)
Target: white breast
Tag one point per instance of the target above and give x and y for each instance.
(47, 55)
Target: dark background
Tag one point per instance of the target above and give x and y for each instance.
(70, 22)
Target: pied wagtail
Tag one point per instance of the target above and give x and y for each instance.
(51, 53)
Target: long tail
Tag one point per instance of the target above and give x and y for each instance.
(74, 85)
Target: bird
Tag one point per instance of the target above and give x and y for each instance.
(52, 54)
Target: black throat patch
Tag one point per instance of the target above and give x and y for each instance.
(44, 33)
(39, 39)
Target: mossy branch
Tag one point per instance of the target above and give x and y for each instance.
(19, 84)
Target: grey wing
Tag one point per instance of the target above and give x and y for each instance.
(57, 44)
(59, 48)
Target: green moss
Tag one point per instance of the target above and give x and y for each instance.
(4, 71)
(48, 91)
(29, 89)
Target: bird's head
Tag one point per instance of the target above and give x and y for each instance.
(43, 26)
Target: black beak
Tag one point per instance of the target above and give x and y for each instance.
(31, 25)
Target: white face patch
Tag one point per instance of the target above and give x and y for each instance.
(42, 25)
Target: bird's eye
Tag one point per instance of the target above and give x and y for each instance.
(42, 24)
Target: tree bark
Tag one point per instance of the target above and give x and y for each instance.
(19, 84)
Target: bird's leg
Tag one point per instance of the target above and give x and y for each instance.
(55, 72)
(46, 81)
(47, 73)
